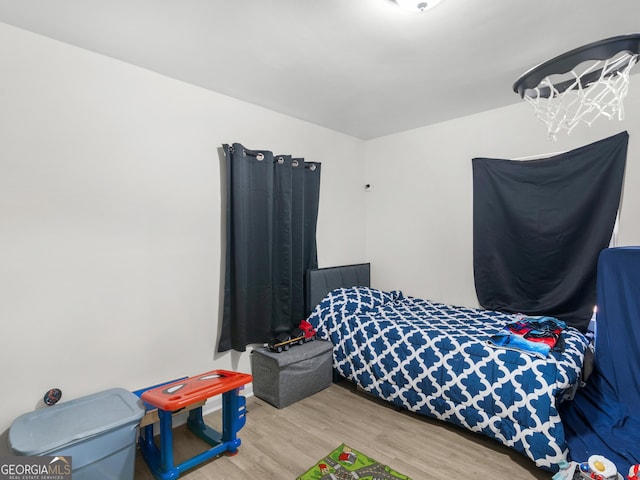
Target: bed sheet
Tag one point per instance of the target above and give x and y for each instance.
(435, 359)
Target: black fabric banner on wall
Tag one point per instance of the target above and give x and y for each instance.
(271, 216)
(539, 226)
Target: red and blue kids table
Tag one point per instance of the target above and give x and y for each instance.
(190, 394)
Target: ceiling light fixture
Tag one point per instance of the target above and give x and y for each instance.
(417, 6)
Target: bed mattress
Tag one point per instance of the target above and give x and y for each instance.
(436, 359)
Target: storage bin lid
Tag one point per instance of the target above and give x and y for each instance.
(48, 429)
(297, 353)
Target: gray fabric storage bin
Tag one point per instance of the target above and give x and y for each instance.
(284, 378)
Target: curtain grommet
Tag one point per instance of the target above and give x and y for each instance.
(294, 163)
(312, 167)
(260, 157)
(280, 160)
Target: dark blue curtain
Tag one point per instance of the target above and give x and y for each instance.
(271, 217)
(539, 225)
(604, 417)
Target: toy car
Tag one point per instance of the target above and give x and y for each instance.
(280, 342)
(302, 334)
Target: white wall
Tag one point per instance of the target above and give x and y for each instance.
(111, 214)
(419, 210)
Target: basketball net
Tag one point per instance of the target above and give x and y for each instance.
(591, 90)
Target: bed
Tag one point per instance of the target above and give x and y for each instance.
(435, 359)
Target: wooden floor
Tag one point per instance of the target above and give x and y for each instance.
(283, 444)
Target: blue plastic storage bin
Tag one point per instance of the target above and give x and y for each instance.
(98, 432)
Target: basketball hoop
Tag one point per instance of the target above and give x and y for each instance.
(581, 85)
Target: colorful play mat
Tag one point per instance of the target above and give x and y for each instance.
(343, 461)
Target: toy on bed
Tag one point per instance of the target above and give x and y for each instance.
(435, 359)
(302, 334)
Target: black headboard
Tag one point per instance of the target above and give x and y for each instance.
(321, 281)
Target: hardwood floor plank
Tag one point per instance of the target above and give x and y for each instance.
(281, 444)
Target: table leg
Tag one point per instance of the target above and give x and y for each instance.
(233, 418)
(166, 440)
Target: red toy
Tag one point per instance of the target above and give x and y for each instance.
(302, 334)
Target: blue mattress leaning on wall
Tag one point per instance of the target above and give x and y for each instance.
(436, 360)
(604, 417)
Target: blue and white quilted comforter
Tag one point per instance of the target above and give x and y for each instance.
(435, 359)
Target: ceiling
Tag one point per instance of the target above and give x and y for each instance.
(362, 67)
